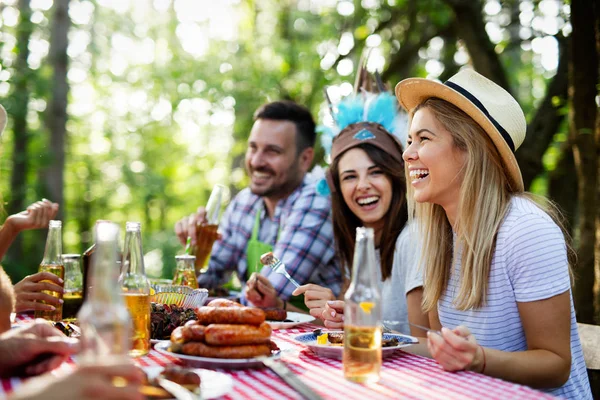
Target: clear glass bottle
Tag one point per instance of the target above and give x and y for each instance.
(136, 289)
(103, 318)
(362, 313)
(185, 273)
(73, 286)
(53, 263)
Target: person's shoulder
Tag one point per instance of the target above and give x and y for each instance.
(245, 196)
(310, 196)
(525, 217)
(408, 239)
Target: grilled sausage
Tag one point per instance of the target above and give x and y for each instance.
(227, 334)
(243, 351)
(177, 335)
(275, 314)
(230, 315)
(223, 303)
(188, 333)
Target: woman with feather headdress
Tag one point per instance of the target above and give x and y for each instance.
(368, 188)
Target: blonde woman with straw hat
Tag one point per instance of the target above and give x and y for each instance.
(496, 264)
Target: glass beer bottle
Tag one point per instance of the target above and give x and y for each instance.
(53, 263)
(103, 318)
(362, 313)
(73, 286)
(135, 289)
(185, 273)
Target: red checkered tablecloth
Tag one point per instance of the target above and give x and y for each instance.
(403, 375)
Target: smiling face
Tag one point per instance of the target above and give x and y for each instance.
(366, 189)
(434, 162)
(272, 162)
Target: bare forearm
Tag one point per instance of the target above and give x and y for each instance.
(536, 368)
(7, 236)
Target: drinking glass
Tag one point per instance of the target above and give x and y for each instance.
(73, 289)
(206, 233)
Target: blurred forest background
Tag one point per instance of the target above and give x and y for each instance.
(131, 110)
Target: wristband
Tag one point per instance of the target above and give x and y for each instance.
(482, 352)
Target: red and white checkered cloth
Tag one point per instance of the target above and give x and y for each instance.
(403, 375)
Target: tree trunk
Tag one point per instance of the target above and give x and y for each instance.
(546, 121)
(18, 111)
(597, 134)
(57, 110)
(470, 27)
(562, 183)
(583, 71)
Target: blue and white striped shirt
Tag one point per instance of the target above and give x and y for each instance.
(529, 264)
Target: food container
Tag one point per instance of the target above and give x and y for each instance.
(181, 296)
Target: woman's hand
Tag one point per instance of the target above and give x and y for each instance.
(260, 292)
(456, 350)
(34, 350)
(28, 290)
(315, 298)
(333, 315)
(36, 216)
(86, 382)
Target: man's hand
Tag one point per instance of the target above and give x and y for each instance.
(34, 349)
(28, 290)
(315, 298)
(261, 293)
(86, 382)
(186, 226)
(36, 216)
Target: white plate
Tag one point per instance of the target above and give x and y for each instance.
(154, 341)
(336, 351)
(294, 318)
(225, 363)
(213, 384)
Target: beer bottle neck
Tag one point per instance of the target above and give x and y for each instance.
(53, 251)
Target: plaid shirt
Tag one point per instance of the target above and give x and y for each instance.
(300, 232)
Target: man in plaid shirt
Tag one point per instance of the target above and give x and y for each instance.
(279, 211)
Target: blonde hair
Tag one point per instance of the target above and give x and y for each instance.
(484, 199)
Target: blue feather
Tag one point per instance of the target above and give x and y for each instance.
(350, 111)
(383, 109)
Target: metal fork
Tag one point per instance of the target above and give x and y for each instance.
(279, 267)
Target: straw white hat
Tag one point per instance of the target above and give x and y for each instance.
(2, 119)
(492, 107)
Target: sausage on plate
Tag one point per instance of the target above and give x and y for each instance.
(275, 314)
(244, 351)
(230, 315)
(227, 334)
(188, 333)
(223, 303)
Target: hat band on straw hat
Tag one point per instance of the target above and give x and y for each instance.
(481, 107)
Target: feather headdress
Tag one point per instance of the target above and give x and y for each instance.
(372, 103)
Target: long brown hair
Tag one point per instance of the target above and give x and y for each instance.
(345, 222)
(484, 200)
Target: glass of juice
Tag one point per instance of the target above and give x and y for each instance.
(73, 290)
(206, 233)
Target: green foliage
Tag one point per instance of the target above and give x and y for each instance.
(151, 131)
